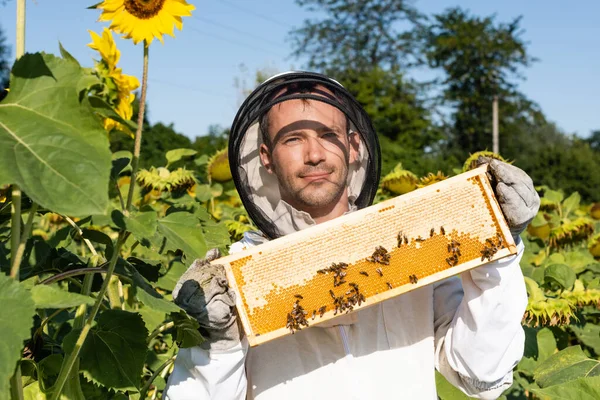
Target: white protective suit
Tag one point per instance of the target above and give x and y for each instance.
(467, 327)
(470, 332)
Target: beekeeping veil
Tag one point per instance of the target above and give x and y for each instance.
(258, 189)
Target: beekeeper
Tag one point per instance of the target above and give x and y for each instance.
(303, 151)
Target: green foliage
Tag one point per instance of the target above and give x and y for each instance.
(481, 59)
(356, 35)
(16, 312)
(36, 138)
(114, 352)
(45, 296)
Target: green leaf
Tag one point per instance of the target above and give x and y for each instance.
(560, 274)
(16, 314)
(177, 154)
(51, 144)
(152, 318)
(141, 224)
(169, 280)
(203, 193)
(149, 269)
(539, 220)
(186, 334)
(216, 189)
(447, 391)
(579, 260)
(183, 232)
(156, 303)
(202, 160)
(66, 55)
(553, 196)
(571, 203)
(546, 344)
(580, 389)
(114, 351)
(589, 335)
(121, 161)
(46, 296)
(566, 365)
(107, 111)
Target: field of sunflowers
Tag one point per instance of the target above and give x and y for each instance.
(88, 272)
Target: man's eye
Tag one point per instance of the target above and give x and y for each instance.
(330, 135)
(291, 140)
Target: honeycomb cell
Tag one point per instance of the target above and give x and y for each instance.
(446, 225)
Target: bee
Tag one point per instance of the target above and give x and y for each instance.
(314, 314)
(405, 239)
(442, 230)
(413, 279)
(379, 271)
(420, 239)
(322, 311)
(332, 294)
(399, 239)
(431, 232)
(364, 273)
(389, 285)
(298, 296)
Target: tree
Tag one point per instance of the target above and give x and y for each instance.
(356, 35)
(4, 65)
(559, 161)
(481, 59)
(394, 104)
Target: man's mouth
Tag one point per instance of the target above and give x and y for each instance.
(317, 176)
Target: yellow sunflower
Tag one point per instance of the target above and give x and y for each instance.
(145, 19)
(105, 45)
(118, 86)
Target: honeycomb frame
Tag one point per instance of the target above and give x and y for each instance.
(466, 212)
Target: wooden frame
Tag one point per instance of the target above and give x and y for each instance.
(310, 237)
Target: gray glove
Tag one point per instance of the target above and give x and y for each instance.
(202, 291)
(515, 192)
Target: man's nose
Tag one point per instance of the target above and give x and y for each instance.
(314, 152)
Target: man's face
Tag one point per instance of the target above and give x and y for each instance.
(310, 153)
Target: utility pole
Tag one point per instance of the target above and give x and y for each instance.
(495, 146)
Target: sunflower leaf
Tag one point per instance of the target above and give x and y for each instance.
(114, 352)
(52, 144)
(17, 313)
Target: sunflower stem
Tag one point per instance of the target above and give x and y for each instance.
(16, 387)
(70, 361)
(138, 133)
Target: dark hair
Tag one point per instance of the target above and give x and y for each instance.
(291, 89)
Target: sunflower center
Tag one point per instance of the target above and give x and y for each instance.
(144, 9)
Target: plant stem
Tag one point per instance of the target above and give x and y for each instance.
(16, 388)
(20, 37)
(45, 321)
(72, 358)
(154, 375)
(20, 248)
(138, 134)
(80, 233)
(159, 330)
(69, 361)
(73, 272)
(120, 196)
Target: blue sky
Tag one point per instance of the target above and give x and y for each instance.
(192, 78)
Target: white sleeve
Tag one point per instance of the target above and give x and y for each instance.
(478, 333)
(200, 374)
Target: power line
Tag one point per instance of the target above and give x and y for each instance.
(231, 28)
(218, 37)
(250, 11)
